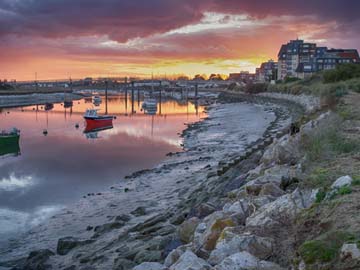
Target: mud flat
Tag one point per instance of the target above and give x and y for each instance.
(142, 219)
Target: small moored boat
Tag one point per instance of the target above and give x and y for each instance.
(97, 99)
(93, 119)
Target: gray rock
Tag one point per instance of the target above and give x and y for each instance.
(203, 210)
(189, 261)
(271, 189)
(341, 182)
(123, 264)
(187, 229)
(283, 151)
(148, 256)
(175, 254)
(239, 210)
(261, 247)
(140, 211)
(107, 227)
(245, 261)
(350, 251)
(123, 218)
(66, 244)
(37, 260)
(149, 266)
(284, 209)
(149, 222)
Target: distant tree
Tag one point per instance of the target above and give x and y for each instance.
(342, 72)
(200, 77)
(217, 77)
(183, 78)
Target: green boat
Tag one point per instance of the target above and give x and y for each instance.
(9, 142)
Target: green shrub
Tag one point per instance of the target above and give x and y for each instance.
(320, 177)
(325, 248)
(254, 88)
(291, 79)
(327, 141)
(356, 180)
(313, 251)
(342, 72)
(320, 196)
(344, 190)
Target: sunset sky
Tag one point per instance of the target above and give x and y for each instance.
(79, 38)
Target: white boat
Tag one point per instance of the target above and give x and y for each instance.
(149, 103)
(97, 99)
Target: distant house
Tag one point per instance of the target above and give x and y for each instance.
(300, 59)
(243, 76)
(267, 71)
(88, 81)
(151, 83)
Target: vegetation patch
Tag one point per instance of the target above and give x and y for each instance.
(325, 248)
(356, 180)
(328, 142)
(344, 190)
(342, 73)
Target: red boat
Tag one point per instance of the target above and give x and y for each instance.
(94, 120)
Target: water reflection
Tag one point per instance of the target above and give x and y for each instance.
(69, 162)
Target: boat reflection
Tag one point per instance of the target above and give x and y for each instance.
(149, 106)
(68, 104)
(92, 129)
(49, 106)
(9, 143)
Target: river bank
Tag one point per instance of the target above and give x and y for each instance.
(9, 101)
(138, 220)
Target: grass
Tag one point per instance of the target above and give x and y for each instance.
(320, 196)
(356, 180)
(320, 177)
(325, 248)
(327, 141)
(344, 190)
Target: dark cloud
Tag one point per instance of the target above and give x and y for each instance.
(121, 20)
(339, 10)
(125, 19)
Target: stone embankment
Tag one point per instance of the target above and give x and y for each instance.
(253, 229)
(240, 217)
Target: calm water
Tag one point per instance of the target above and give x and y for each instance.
(54, 170)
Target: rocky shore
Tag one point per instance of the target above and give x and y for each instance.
(227, 202)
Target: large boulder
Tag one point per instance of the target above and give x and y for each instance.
(245, 261)
(238, 211)
(175, 254)
(189, 261)
(350, 251)
(342, 182)
(149, 266)
(187, 229)
(275, 175)
(271, 189)
(66, 244)
(123, 264)
(37, 260)
(203, 210)
(283, 151)
(261, 247)
(148, 256)
(139, 211)
(208, 232)
(284, 209)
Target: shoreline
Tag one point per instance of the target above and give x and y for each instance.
(228, 164)
(11, 101)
